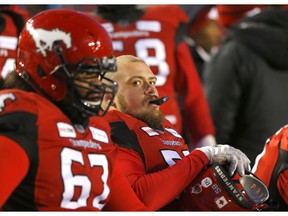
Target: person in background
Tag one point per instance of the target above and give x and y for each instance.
(229, 15)
(156, 36)
(34, 9)
(245, 82)
(52, 156)
(152, 154)
(12, 20)
(203, 35)
(271, 167)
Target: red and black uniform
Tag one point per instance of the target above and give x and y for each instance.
(272, 167)
(62, 167)
(154, 160)
(12, 20)
(157, 38)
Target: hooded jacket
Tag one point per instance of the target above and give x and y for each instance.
(246, 82)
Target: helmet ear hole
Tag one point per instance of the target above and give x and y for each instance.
(40, 72)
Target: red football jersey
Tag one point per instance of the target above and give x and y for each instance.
(70, 167)
(154, 160)
(9, 37)
(271, 167)
(157, 39)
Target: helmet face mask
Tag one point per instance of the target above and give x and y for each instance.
(56, 47)
(215, 190)
(91, 88)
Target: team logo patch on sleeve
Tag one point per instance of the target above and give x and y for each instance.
(108, 27)
(66, 130)
(173, 132)
(8, 42)
(99, 135)
(150, 131)
(153, 26)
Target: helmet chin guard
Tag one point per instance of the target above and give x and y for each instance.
(215, 190)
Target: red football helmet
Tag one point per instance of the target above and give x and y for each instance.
(57, 44)
(215, 190)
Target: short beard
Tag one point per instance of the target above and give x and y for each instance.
(153, 119)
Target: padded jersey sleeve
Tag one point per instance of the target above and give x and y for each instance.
(18, 119)
(13, 167)
(18, 134)
(160, 188)
(282, 185)
(122, 196)
(272, 167)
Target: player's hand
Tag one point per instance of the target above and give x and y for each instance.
(235, 158)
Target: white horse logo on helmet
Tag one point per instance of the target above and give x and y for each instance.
(44, 39)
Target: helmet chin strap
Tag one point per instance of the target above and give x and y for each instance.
(72, 106)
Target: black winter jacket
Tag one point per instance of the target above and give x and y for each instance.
(246, 82)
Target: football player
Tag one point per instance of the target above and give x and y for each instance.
(271, 167)
(52, 157)
(12, 20)
(152, 154)
(156, 35)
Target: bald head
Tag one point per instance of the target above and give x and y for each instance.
(123, 63)
(128, 58)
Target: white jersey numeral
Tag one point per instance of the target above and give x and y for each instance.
(171, 156)
(70, 156)
(142, 46)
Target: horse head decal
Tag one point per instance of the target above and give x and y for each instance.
(44, 39)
